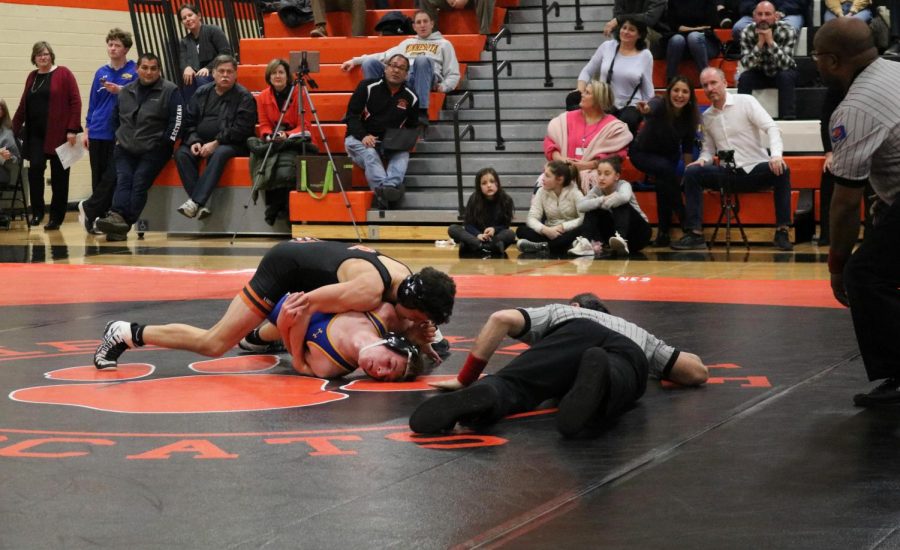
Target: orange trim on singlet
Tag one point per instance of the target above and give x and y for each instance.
(254, 301)
(112, 5)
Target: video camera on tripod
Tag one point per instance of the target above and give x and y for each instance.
(726, 159)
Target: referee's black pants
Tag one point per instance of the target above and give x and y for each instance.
(548, 368)
(872, 278)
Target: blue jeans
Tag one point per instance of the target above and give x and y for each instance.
(785, 81)
(420, 78)
(865, 14)
(134, 176)
(701, 50)
(696, 178)
(370, 159)
(199, 187)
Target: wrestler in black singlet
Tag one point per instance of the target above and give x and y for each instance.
(295, 266)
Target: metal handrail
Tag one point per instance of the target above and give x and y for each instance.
(495, 70)
(579, 22)
(548, 80)
(457, 138)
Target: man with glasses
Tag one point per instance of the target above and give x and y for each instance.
(865, 137)
(376, 106)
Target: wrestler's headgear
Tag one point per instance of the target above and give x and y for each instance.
(398, 344)
(413, 294)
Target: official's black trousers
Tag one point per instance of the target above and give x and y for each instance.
(548, 368)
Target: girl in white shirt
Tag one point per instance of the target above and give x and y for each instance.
(553, 219)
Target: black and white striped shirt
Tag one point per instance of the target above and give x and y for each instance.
(542, 319)
(865, 130)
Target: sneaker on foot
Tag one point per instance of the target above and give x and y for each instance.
(113, 222)
(581, 247)
(618, 244)
(189, 209)
(690, 241)
(524, 245)
(319, 32)
(116, 339)
(662, 240)
(88, 224)
(116, 237)
(887, 393)
(782, 240)
(203, 213)
(442, 412)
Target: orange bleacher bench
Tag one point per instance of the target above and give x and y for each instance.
(339, 49)
(338, 23)
(330, 78)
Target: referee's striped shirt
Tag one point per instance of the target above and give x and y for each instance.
(865, 130)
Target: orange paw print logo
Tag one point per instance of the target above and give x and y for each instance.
(230, 384)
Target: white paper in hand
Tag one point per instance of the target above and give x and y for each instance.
(70, 154)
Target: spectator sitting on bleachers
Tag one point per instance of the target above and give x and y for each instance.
(100, 126)
(792, 12)
(198, 50)
(649, 12)
(613, 219)
(357, 9)
(147, 122)
(433, 62)
(10, 157)
(554, 221)
(669, 132)
(691, 22)
(726, 13)
(488, 215)
(893, 7)
(269, 104)
(767, 56)
(732, 124)
(484, 10)
(376, 106)
(626, 65)
(585, 135)
(859, 9)
(219, 118)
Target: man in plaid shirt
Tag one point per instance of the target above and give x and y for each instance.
(767, 56)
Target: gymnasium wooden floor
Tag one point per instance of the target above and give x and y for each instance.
(178, 451)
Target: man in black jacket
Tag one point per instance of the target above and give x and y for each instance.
(148, 118)
(220, 117)
(376, 106)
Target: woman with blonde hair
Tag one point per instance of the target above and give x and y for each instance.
(49, 115)
(589, 133)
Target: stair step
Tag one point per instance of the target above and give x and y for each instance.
(468, 147)
(589, 15)
(509, 113)
(527, 70)
(537, 54)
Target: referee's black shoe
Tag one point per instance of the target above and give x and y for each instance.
(887, 393)
(442, 412)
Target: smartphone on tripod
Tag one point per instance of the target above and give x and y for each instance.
(304, 62)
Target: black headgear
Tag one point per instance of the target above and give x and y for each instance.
(398, 344)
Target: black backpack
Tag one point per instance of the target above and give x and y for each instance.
(395, 23)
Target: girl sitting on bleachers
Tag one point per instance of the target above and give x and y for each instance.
(553, 220)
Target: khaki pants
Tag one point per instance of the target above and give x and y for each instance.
(484, 12)
(357, 9)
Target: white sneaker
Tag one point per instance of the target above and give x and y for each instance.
(189, 209)
(116, 339)
(203, 213)
(581, 247)
(618, 244)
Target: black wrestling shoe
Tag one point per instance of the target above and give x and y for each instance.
(887, 393)
(116, 339)
(254, 344)
(587, 394)
(442, 412)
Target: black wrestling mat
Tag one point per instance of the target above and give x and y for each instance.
(177, 451)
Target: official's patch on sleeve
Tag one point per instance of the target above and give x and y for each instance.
(838, 133)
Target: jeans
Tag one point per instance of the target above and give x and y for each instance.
(420, 78)
(103, 178)
(667, 184)
(696, 178)
(135, 174)
(696, 43)
(865, 14)
(872, 278)
(187, 91)
(370, 159)
(785, 81)
(199, 187)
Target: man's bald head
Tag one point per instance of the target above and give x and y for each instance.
(846, 37)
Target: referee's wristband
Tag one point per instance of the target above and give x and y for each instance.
(471, 370)
(836, 263)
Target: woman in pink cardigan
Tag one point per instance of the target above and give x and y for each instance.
(49, 115)
(583, 136)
